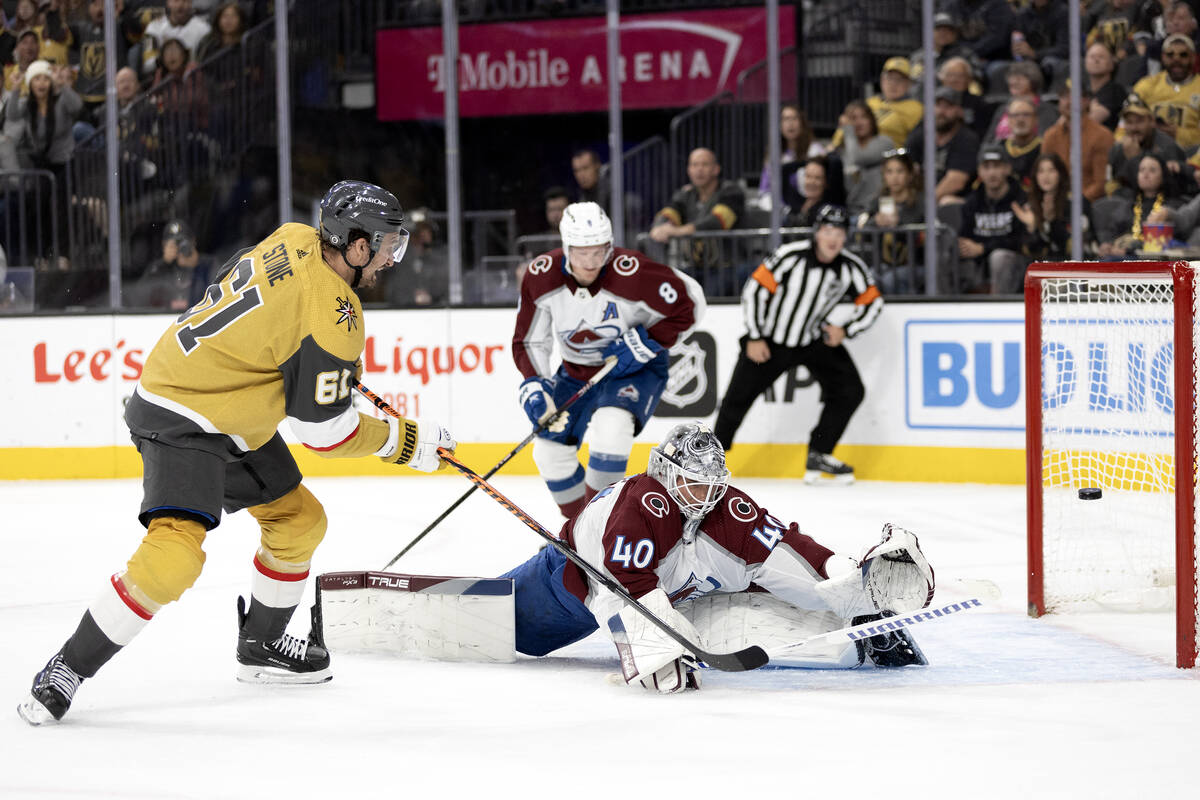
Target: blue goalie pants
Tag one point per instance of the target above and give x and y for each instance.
(548, 616)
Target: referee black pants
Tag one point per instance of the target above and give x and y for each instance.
(832, 368)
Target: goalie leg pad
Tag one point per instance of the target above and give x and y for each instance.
(645, 650)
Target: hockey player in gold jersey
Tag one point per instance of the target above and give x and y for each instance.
(278, 336)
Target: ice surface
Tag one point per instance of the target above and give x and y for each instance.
(1085, 706)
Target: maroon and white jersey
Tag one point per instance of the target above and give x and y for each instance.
(633, 531)
(631, 290)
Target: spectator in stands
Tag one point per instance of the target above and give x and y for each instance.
(1023, 143)
(88, 56)
(1174, 93)
(1040, 37)
(1095, 138)
(45, 116)
(1024, 83)
(1141, 137)
(957, 74)
(176, 281)
(862, 152)
(1047, 216)
(51, 28)
(180, 86)
(1107, 94)
(797, 145)
(229, 24)
(25, 53)
(181, 23)
(900, 202)
(991, 235)
(957, 149)
(554, 202)
(1121, 234)
(594, 186)
(897, 113)
(422, 277)
(1115, 23)
(706, 203)
(987, 26)
(946, 45)
(819, 190)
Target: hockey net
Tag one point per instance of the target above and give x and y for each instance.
(1112, 347)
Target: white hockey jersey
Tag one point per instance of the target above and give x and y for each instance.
(632, 290)
(633, 530)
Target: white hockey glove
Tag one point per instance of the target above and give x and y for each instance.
(648, 656)
(896, 575)
(415, 442)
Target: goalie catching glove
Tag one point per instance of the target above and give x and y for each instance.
(633, 349)
(537, 399)
(892, 576)
(415, 442)
(648, 656)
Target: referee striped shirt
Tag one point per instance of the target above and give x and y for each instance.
(790, 295)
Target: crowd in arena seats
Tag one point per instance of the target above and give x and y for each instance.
(53, 102)
(1002, 125)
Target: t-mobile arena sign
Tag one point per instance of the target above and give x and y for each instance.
(559, 66)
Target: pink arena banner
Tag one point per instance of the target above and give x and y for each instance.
(560, 66)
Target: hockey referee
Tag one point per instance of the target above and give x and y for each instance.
(786, 305)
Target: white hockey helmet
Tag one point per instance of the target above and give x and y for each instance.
(690, 464)
(585, 225)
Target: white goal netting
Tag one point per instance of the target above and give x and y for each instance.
(1108, 422)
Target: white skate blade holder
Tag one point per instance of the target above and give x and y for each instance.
(34, 712)
(256, 673)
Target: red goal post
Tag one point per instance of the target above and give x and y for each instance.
(1127, 332)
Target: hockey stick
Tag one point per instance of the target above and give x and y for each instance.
(885, 625)
(546, 422)
(752, 657)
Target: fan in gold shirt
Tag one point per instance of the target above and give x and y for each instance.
(1174, 93)
(278, 336)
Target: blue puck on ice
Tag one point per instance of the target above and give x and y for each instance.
(1089, 494)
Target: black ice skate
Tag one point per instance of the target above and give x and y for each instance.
(892, 649)
(53, 689)
(284, 660)
(825, 469)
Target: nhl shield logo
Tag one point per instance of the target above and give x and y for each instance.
(691, 389)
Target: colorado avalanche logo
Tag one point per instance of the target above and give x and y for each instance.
(586, 339)
(625, 265)
(656, 504)
(347, 313)
(540, 264)
(741, 509)
(628, 392)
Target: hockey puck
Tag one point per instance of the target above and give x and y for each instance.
(1089, 494)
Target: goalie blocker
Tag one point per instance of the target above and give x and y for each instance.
(423, 616)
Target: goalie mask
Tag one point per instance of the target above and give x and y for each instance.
(351, 206)
(585, 225)
(690, 464)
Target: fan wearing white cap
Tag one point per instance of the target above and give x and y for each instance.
(599, 304)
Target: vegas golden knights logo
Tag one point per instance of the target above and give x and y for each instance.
(91, 60)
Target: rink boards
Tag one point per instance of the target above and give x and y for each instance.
(944, 402)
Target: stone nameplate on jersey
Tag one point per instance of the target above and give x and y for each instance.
(418, 616)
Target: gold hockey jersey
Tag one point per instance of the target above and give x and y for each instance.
(1176, 103)
(278, 336)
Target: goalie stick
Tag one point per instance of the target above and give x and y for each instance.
(749, 658)
(875, 627)
(545, 423)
